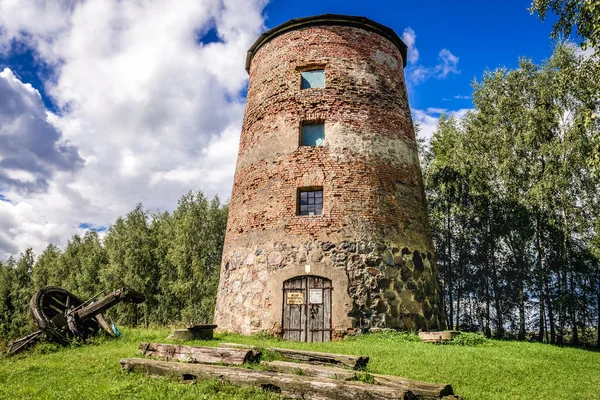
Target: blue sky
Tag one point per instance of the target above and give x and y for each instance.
(482, 34)
(104, 103)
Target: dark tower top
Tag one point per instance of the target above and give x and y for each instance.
(324, 20)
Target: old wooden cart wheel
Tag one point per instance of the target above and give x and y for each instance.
(49, 308)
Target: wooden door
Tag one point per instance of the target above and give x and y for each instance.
(307, 309)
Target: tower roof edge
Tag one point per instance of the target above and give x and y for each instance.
(328, 19)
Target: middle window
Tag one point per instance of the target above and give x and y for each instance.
(312, 134)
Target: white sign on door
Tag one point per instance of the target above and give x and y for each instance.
(315, 296)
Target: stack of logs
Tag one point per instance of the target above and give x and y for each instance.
(306, 374)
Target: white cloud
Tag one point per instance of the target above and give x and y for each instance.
(409, 37)
(428, 119)
(148, 112)
(427, 123)
(448, 64)
(435, 110)
(587, 53)
(417, 73)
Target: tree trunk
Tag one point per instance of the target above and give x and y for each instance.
(521, 311)
(542, 311)
(565, 300)
(541, 279)
(499, 318)
(550, 314)
(450, 271)
(561, 308)
(520, 274)
(458, 296)
(288, 385)
(499, 323)
(573, 311)
(488, 331)
(443, 305)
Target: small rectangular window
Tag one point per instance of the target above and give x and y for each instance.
(312, 135)
(313, 79)
(310, 201)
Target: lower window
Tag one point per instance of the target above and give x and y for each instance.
(310, 201)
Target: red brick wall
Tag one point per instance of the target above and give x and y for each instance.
(375, 106)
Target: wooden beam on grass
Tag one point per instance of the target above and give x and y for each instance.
(199, 354)
(314, 357)
(305, 387)
(422, 390)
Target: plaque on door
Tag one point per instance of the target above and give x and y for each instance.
(295, 298)
(315, 296)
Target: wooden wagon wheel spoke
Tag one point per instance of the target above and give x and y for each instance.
(62, 317)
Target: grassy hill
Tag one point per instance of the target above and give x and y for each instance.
(480, 369)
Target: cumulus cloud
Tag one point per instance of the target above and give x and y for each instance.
(31, 148)
(416, 73)
(427, 119)
(409, 37)
(447, 64)
(587, 53)
(147, 109)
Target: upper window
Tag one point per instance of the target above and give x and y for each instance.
(313, 79)
(310, 201)
(312, 135)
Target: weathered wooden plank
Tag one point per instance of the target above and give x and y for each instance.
(21, 344)
(313, 357)
(199, 354)
(304, 387)
(435, 337)
(422, 390)
(320, 371)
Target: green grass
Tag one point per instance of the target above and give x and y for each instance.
(477, 369)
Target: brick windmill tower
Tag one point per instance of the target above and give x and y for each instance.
(328, 228)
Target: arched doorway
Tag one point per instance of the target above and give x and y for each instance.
(307, 309)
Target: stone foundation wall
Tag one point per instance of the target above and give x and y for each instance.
(375, 285)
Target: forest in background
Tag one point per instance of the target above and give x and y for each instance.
(173, 258)
(513, 193)
(513, 197)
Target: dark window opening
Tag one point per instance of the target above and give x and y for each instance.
(310, 201)
(312, 134)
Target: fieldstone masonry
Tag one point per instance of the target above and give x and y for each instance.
(373, 238)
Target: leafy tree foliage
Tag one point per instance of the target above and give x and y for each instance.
(582, 15)
(514, 202)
